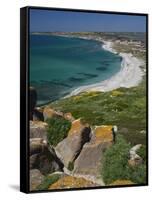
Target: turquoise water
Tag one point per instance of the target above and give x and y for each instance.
(60, 64)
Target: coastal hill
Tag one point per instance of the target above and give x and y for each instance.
(93, 138)
(73, 144)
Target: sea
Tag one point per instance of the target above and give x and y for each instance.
(59, 64)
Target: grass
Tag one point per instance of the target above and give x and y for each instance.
(115, 161)
(48, 180)
(124, 107)
(142, 153)
(115, 165)
(71, 166)
(57, 130)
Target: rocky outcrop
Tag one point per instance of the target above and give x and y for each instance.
(36, 178)
(68, 149)
(38, 114)
(90, 159)
(38, 129)
(43, 157)
(103, 133)
(33, 100)
(49, 113)
(37, 145)
(77, 159)
(135, 159)
(78, 127)
(69, 117)
(72, 182)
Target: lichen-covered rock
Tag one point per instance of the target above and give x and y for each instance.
(122, 182)
(37, 145)
(38, 129)
(43, 157)
(135, 162)
(78, 127)
(36, 178)
(71, 182)
(103, 133)
(69, 148)
(48, 113)
(89, 162)
(69, 117)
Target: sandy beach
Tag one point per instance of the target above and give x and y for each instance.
(130, 74)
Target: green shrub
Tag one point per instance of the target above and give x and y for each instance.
(57, 130)
(70, 166)
(142, 152)
(115, 161)
(115, 165)
(48, 180)
(138, 174)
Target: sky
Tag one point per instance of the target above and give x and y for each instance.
(51, 20)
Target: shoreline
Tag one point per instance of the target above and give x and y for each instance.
(130, 74)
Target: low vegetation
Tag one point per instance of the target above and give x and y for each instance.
(115, 165)
(48, 180)
(124, 107)
(71, 166)
(142, 153)
(57, 130)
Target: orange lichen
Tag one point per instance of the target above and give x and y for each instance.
(49, 112)
(122, 182)
(39, 124)
(76, 127)
(71, 182)
(104, 133)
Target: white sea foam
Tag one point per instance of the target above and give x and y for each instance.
(130, 74)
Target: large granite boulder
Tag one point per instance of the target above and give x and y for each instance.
(72, 182)
(33, 100)
(38, 129)
(89, 162)
(78, 127)
(69, 148)
(103, 133)
(36, 178)
(43, 157)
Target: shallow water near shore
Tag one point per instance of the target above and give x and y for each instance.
(58, 65)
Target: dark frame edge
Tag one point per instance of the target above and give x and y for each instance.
(86, 10)
(24, 168)
(147, 97)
